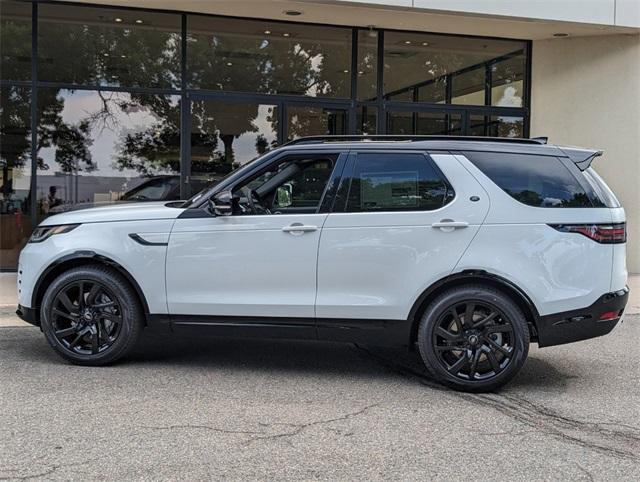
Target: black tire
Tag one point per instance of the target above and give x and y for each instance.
(480, 354)
(98, 327)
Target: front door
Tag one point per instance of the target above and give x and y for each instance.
(261, 260)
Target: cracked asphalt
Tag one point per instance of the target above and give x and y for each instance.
(194, 407)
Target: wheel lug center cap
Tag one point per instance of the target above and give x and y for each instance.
(87, 315)
(473, 340)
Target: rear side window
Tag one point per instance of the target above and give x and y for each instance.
(393, 181)
(540, 181)
(600, 188)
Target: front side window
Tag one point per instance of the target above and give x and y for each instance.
(540, 181)
(392, 181)
(293, 186)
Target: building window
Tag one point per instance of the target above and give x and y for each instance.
(449, 69)
(224, 136)
(15, 183)
(15, 40)
(268, 57)
(104, 46)
(97, 146)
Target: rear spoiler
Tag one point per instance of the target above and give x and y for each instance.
(580, 157)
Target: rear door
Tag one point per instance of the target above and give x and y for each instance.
(401, 221)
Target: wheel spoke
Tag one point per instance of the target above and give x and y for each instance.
(91, 297)
(474, 364)
(65, 332)
(68, 316)
(95, 342)
(447, 335)
(495, 346)
(77, 338)
(457, 320)
(498, 329)
(493, 361)
(468, 315)
(110, 316)
(485, 320)
(104, 331)
(458, 365)
(81, 294)
(104, 305)
(64, 299)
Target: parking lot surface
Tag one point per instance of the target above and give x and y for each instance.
(203, 408)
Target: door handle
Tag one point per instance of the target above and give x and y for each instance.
(448, 225)
(298, 228)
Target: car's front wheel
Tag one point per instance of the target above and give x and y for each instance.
(91, 315)
(473, 338)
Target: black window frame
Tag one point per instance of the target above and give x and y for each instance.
(341, 199)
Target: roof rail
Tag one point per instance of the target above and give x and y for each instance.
(409, 138)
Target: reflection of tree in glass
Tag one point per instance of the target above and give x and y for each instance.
(97, 53)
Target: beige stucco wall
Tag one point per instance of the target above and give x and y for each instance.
(586, 92)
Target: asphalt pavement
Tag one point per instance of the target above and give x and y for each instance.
(203, 408)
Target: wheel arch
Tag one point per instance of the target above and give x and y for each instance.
(74, 260)
(474, 277)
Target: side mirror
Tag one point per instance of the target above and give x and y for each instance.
(222, 204)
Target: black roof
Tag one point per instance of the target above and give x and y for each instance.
(581, 157)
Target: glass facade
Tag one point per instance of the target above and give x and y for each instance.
(101, 104)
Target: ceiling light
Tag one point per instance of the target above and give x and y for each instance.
(118, 20)
(123, 56)
(560, 34)
(408, 42)
(229, 64)
(292, 13)
(138, 21)
(267, 32)
(345, 71)
(425, 44)
(360, 72)
(286, 34)
(105, 54)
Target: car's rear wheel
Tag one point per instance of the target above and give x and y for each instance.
(90, 315)
(473, 338)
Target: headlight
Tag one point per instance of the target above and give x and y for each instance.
(43, 232)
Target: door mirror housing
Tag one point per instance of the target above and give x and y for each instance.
(222, 204)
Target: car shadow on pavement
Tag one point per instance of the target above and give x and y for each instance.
(325, 359)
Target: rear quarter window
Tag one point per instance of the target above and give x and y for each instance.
(540, 181)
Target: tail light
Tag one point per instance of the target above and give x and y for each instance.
(601, 233)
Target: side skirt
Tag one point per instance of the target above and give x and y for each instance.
(374, 332)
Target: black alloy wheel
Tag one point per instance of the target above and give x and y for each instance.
(86, 317)
(91, 315)
(473, 338)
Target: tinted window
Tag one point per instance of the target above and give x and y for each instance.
(540, 181)
(396, 182)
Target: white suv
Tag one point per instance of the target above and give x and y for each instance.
(468, 248)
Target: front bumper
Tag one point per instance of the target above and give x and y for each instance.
(28, 314)
(582, 324)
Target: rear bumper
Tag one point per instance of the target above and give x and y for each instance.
(28, 314)
(582, 324)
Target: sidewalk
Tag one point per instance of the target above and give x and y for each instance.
(8, 299)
